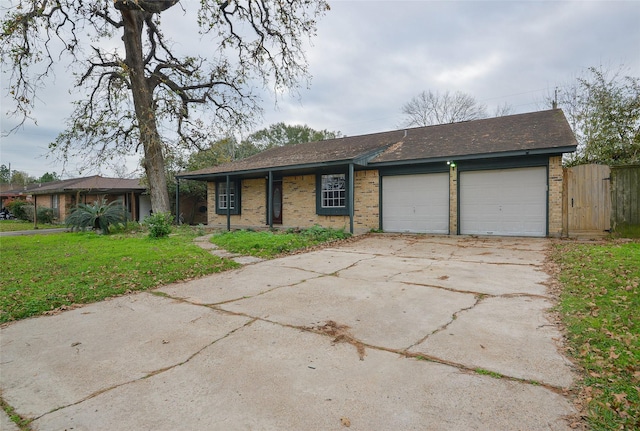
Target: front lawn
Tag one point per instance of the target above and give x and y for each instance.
(41, 273)
(600, 306)
(267, 244)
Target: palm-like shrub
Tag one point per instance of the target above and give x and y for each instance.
(100, 215)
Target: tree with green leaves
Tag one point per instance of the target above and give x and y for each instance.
(218, 152)
(280, 134)
(603, 108)
(136, 82)
(48, 177)
(5, 174)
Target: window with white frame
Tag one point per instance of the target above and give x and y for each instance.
(333, 191)
(226, 200)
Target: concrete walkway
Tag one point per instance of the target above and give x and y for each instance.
(385, 332)
(35, 232)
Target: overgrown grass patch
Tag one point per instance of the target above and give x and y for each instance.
(44, 272)
(267, 244)
(600, 305)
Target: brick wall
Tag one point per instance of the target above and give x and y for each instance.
(299, 204)
(366, 214)
(453, 200)
(555, 196)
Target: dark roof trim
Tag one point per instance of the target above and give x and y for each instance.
(547, 151)
(262, 171)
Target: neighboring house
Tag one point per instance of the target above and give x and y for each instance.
(497, 176)
(63, 195)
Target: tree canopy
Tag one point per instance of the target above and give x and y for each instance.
(138, 93)
(8, 176)
(280, 134)
(603, 108)
(227, 149)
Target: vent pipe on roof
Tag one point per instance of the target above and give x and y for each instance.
(405, 134)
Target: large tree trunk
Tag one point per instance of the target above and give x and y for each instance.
(145, 112)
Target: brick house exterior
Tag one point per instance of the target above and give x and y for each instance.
(343, 183)
(64, 195)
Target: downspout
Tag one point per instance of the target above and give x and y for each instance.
(228, 204)
(270, 201)
(351, 196)
(178, 201)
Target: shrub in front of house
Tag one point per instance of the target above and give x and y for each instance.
(19, 208)
(159, 224)
(45, 215)
(99, 216)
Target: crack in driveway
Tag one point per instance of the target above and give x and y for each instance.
(149, 374)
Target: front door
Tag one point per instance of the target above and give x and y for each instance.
(276, 202)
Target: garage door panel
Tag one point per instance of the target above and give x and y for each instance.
(504, 202)
(416, 203)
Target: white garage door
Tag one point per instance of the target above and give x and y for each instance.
(504, 202)
(416, 203)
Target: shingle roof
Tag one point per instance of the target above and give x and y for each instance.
(331, 150)
(544, 131)
(94, 183)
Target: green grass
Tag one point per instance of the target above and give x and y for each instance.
(600, 305)
(16, 225)
(42, 273)
(626, 231)
(484, 372)
(45, 272)
(267, 244)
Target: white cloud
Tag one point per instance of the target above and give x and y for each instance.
(370, 57)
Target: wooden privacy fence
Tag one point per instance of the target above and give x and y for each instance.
(587, 200)
(599, 198)
(625, 196)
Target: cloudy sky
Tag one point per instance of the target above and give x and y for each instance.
(371, 57)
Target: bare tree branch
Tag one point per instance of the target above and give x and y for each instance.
(429, 108)
(148, 97)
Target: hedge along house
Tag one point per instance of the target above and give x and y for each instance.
(497, 176)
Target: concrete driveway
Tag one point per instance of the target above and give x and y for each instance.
(387, 332)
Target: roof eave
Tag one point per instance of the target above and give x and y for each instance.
(262, 171)
(513, 153)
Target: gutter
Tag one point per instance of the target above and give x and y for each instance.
(543, 151)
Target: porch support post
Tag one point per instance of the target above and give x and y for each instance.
(178, 201)
(270, 200)
(351, 196)
(35, 211)
(228, 204)
(134, 207)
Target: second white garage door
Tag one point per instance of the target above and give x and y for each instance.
(416, 203)
(504, 202)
